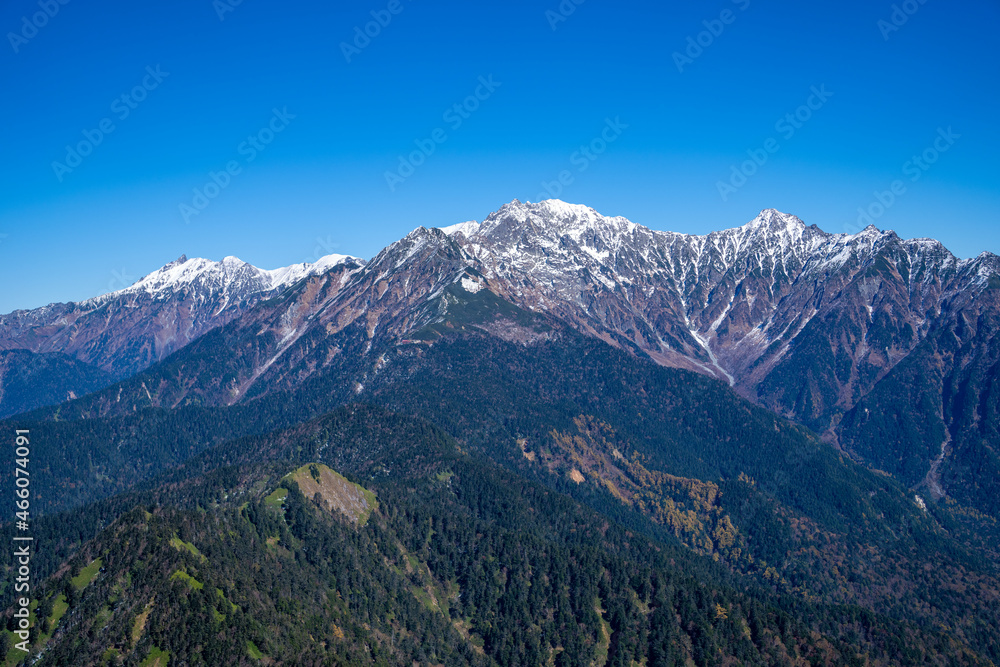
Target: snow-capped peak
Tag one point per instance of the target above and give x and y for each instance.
(773, 220)
(549, 210)
(551, 218)
(774, 229)
(229, 274)
(289, 275)
(183, 271)
(564, 210)
(466, 228)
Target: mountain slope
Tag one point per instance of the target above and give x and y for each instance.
(29, 380)
(805, 323)
(461, 563)
(334, 322)
(735, 303)
(942, 401)
(126, 331)
(670, 455)
(529, 474)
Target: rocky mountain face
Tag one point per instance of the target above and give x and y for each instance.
(826, 329)
(933, 419)
(122, 333)
(807, 323)
(751, 305)
(341, 320)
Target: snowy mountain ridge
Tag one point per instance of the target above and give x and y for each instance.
(802, 321)
(127, 330)
(772, 235)
(230, 275)
(747, 304)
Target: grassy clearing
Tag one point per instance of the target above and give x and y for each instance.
(87, 575)
(222, 595)
(425, 598)
(13, 655)
(140, 622)
(336, 493)
(412, 562)
(277, 497)
(59, 609)
(254, 651)
(180, 545)
(188, 579)
(156, 658)
(603, 637)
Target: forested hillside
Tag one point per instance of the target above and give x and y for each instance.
(462, 563)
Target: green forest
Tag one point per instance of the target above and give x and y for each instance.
(555, 504)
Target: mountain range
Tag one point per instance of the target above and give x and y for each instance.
(804, 414)
(824, 329)
(124, 332)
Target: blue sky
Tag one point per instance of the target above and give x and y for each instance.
(670, 139)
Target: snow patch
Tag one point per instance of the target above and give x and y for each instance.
(227, 277)
(289, 275)
(471, 285)
(466, 228)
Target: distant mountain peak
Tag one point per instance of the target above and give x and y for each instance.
(231, 273)
(775, 220)
(466, 228)
(126, 331)
(544, 210)
(552, 219)
(776, 229)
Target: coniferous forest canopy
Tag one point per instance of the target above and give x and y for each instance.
(558, 503)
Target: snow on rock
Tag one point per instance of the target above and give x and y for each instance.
(290, 275)
(231, 275)
(719, 297)
(467, 228)
(471, 285)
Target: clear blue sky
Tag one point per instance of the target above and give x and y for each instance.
(320, 186)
